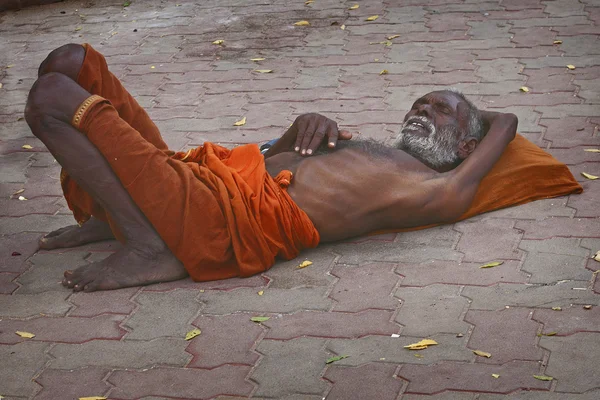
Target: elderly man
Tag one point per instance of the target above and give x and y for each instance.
(215, 213)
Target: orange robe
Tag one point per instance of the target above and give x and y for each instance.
(218, 210)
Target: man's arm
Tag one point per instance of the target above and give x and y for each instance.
(306, 135)
(463, 181)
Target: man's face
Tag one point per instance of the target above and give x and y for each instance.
(433, 129)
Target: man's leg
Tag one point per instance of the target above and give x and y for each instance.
(145, 258)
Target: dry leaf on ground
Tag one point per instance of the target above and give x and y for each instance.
(372, 17)
(496, 376)
(354, 7)
(571, 66)
(22, 198)
(482, 353)
(261, 292)
(260, 319)
(19, 191)
(343, 27)
(302, 23)
(589, 176)
(25, 335)
(524, 89)
(557, 42)
(240, 122)
(263, 71)
(423, 344)
(392, 37)
(543, 377)
(384, 72)
(192, 334)
(556, 309)
(304, 264)
(492, 264)
(218, 41)
(27, 147)
(93, 398)
(257, 59)
(334, 359)
(592, 150)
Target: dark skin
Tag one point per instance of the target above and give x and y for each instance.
(335, 189)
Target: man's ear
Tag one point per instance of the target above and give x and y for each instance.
(466, 147)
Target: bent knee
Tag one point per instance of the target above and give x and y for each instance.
(66, 59)
(46, 96)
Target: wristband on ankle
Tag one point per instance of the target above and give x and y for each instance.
(83, 108)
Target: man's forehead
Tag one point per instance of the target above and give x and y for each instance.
(445, 96)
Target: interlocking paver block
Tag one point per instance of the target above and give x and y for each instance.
(110, 301)
(29, 305)
(538, 395)
(183, 383)
(472, 377)
(34, 223)
(19, 363)
(65, 384)
(163, 314)
(446, 395)
(272, 301)
(488, 240)
(570, 320)
(121, 354)
(332, 324)
(431, 309)
(565, 227)
(304, 362)
(571, 361)
(287, 275)
(225, 339)
(356, 383)
(364, 287)
(64, 330)
(546, 296)
(507, 334)
(549, 267)
(7, 286)
(391, 350)
(47, 271)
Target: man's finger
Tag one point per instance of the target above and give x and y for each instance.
(308, 136)
(301, 126)
(332, 134)
(316, 140)
(345, 135)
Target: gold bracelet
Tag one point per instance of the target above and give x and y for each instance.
(83, 107)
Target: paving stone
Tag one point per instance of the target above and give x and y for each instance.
(550, 22)
(507, 334)
(544, 296)
(64, 330)
(446, 22)
(287, 275)
(14, 166)
(225, 339)
(539, 209)
(569, 131)
(20, 362)
(391, 350)
(109, 301)
(24, 243)
(288, 367)
(499, 70)
(355, 382)
(34, 223)
(488, 240)
(41, 205)
(538, 395)
(46, 272)
(549, 267)
(486, 30)
(272, 301)
(121, 354)
(255, 281)
(461, 273)
(472, 377)
(565, 227)
(528, 117)
(571, 320)
(570, 362)
(181, 383)
(7, 286)
(62, 384)
(446, 395)
(163, 314)
(431, 310)
(29, 305)
(364, 287)
(332, 324)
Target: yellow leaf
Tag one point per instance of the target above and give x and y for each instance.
(261, 292)
(570, 66)
(589, 176)
(557, 42)
(22, 198)
(423, 344)
(240, 122)
(543, 377)
(0, 86)
(114, 33)
(302, 23)
(257, 59)
(588, 150)
(263, 71)
(78, 28)
(419, 356)
(492, 264)
(152, 67)
(192, 334)
(384, 72)
(392, 37)
(343, 27)
(596, 256)
(10, 65)
(556, 309)
(587, 307)
(25, 335)
(259, 319)
(27, 147)
(372, 17)
(218, 41)
(482, 353)
(93, 398)
(354, 7)
(524, 89)
(309, 2)
(496, 376)
(19, 191)
(304, 264)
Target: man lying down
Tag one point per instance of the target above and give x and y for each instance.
(214, 213)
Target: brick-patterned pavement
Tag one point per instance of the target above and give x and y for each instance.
(359, 295)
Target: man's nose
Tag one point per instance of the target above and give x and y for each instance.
(424, 110)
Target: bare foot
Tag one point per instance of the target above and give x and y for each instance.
(127, 267)
(93, 230)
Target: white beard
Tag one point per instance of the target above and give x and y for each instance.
(437, 149)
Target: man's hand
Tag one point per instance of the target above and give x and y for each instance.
(312, 129)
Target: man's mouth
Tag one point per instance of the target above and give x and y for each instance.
(418, 124)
